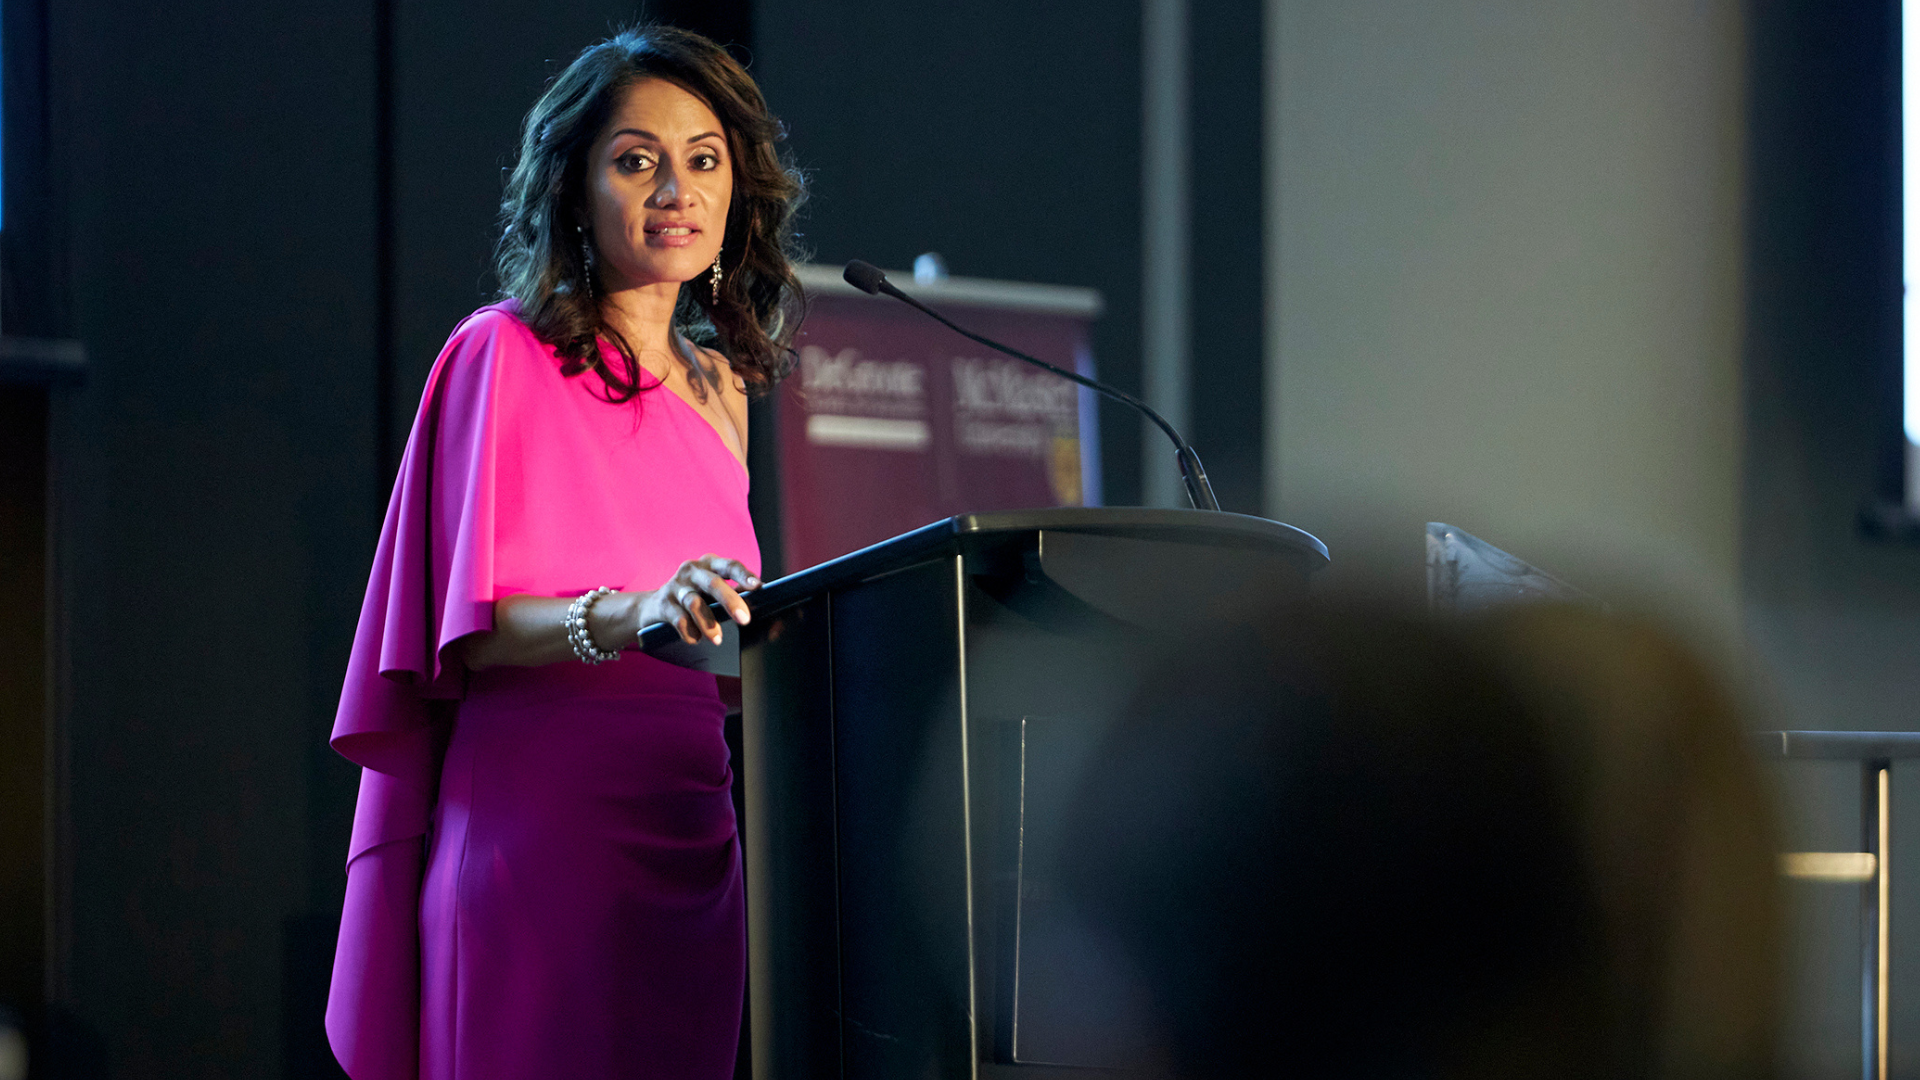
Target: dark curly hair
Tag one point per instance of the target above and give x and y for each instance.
(540, 264)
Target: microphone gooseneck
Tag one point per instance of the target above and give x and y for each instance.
(868, 278)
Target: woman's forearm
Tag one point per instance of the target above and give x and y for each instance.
(529, 631)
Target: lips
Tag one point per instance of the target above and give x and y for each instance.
(672, 233)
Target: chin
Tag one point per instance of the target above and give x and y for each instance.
(678, 267)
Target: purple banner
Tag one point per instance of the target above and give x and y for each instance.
(893, 421)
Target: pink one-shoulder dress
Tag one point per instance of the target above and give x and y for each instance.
(544, 878)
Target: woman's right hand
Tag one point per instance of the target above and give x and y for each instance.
(532, 630)
(682, 601)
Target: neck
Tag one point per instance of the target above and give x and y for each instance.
(643, 314)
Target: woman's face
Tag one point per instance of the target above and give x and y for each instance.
(659, 182)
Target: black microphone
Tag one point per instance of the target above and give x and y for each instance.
(868, 279)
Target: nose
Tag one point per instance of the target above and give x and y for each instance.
(668, 191)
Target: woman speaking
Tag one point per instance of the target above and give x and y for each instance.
(544, 878)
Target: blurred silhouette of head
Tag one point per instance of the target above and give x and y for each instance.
(1354, 844)
(540, 259)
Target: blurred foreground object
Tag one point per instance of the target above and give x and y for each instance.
(1360, 843)
(1467, 575)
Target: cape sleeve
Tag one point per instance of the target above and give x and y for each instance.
(431, 585)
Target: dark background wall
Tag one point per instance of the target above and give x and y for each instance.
(262, 220)
(1229, 375)
(215, 482)
(1006, 137)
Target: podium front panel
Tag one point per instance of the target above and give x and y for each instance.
(793, 973)
(914, 737)
(901, 793)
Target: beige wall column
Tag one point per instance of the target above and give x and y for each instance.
(1505, 276)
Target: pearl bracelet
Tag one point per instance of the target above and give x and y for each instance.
(577, 635)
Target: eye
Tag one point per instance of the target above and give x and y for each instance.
(633, 161)
(705, 160)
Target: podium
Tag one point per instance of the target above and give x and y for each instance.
(914, 716)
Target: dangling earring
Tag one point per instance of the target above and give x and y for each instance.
(586, 258)
(716, 277)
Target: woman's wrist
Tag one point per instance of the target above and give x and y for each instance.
(612, 621)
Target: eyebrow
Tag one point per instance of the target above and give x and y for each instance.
(650, 135)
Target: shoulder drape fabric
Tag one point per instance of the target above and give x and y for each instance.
(515, 479)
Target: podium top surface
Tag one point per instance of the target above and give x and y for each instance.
(969, 534)
(965, 532)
